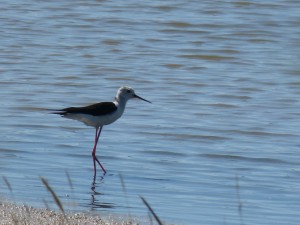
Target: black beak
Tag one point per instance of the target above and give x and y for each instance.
(136, 96)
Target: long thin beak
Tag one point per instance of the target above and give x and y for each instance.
(136, 96)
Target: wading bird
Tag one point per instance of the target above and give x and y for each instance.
(100, 114)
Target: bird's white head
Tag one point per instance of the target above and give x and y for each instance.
(125, 93)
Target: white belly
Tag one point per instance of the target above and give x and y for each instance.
(95, 121)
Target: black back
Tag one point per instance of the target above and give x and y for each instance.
(97, 109)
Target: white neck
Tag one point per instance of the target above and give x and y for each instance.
(119, 101)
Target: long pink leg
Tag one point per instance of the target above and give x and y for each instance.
(97, 135)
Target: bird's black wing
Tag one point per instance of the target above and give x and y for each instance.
(97, 109)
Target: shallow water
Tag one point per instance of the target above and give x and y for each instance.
(219, 144)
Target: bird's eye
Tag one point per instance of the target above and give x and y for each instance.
(128, 91)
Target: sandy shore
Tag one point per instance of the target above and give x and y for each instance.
(15, 214)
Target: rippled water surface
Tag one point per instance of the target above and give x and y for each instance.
(219, 144)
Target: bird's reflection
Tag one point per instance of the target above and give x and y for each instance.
(101, 181)
(96, 196)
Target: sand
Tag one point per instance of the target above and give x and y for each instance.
(21, 214)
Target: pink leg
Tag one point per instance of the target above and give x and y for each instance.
(97, 135)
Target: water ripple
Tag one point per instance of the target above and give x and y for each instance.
(243, 158)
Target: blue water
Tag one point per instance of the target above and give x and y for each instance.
(219, 144)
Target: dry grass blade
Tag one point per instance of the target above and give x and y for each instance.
(56, 199)
(122, 183)
(125, 193)
(69, 180)
(151, 210)
(240, 203)
(46, 204)
(7, 183)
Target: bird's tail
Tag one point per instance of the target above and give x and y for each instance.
(58, 112)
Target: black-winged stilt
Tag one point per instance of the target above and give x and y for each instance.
(100, 114)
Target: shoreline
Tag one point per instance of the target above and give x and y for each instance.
(13, 214)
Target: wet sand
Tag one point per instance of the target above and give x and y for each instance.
(21, 214)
